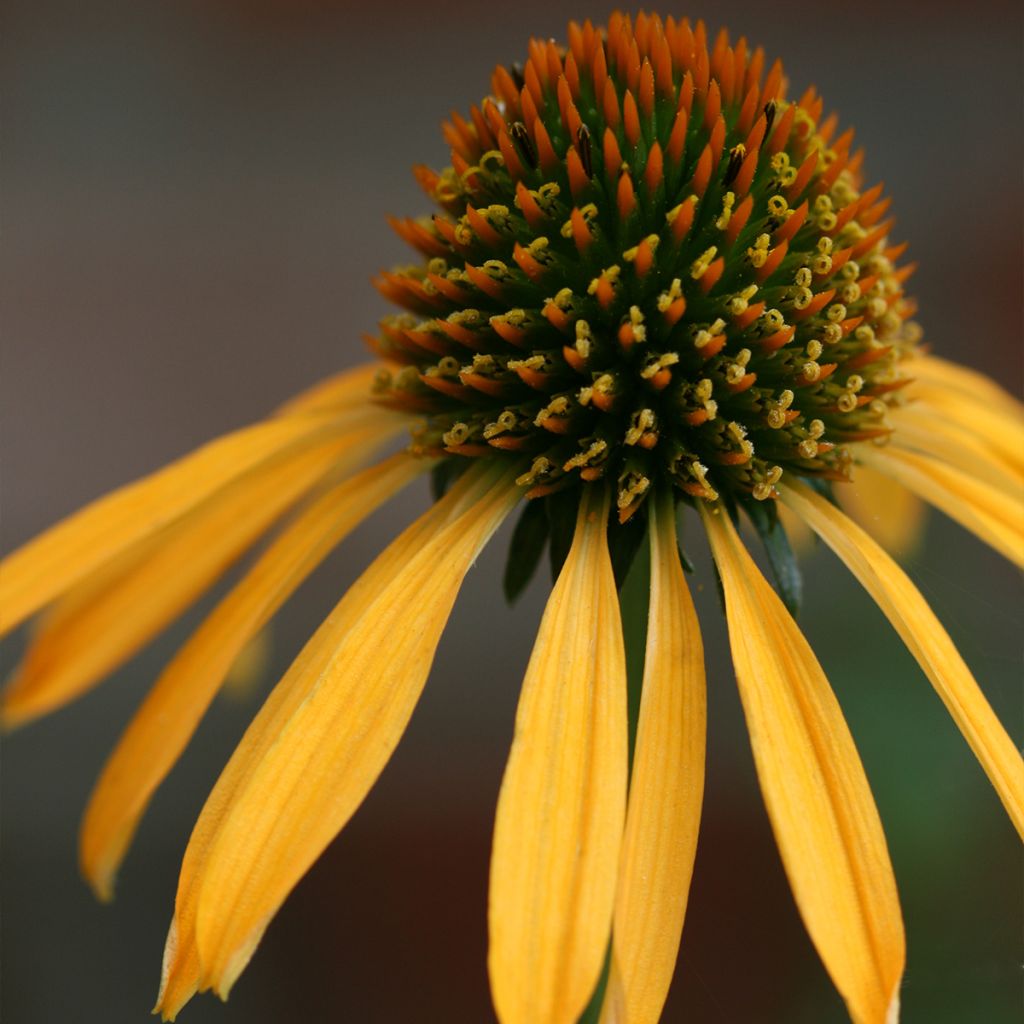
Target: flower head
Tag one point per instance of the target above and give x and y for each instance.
(649, 269)
(653, 283)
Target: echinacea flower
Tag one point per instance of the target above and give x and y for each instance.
(654, 284)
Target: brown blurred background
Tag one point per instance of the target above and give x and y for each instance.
(193, 204)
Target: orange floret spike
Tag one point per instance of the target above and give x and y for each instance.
(630, 119)
(827, 129)
(872, 215)
(579, 180)
(572, 75)
(528, 263)
(662, 61)
(625, 196)
(505, 89)
(793, 223)
(776, 341)
(743, 320)
(686, 93)
(772, 85)
(780, 133)
(771, 264)
(577, 44)
(654, 172)
(803, 176)
(483, 281)
(681, 219)
(701, 71)
(717, 142)
(511, 158)
(871, 239)
(534, 215)
(831, 173)
(646, 90)
(580, 232)
(739, 70)
(554, 62)
(612, 157)
(481, 228)
(564, 100)
(726, 75)
(644, 259)
(531, 77)
(755, 68)
(815, 306)
(546, 154)
(677, 140)
(710, 276)
(740, 216)
(531, 113)
(702, 173)
(713, 106)
(745, 176)
(748, 112)
(599, 71)
(855, 166)
(610, 105)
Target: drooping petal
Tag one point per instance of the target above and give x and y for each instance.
(925, 638)
(558, 829)
(665, 791)
(891, 513)
(174, 707)
(918, 426)
(180, 974)
(990, 514)
(65, 554)
(1001, 428)
(964, 381)
(817, 796)
(103, 621)
(328, 754)
(339, 391)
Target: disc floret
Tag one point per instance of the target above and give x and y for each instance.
(648, 266)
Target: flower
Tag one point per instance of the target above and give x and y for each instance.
(654, 282)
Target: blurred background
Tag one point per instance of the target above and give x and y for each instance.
(194, 201)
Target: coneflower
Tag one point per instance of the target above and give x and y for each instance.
(653, 284)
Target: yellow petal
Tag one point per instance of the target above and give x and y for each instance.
(919, 426)
(167, 719)
(181, 972)
(893, 515)
(1000, 428)
(350, 387)
(821, 809)
(60, 557)
(925, 638)
(965, 381)
(561, 811)
(665, 791)
(103, 621)
(329, 753)
(993, 516)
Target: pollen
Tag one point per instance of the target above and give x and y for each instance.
(671, 276)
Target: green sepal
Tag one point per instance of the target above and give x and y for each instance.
(823, 487)
(561, 509)
(592, 1013)
(526, 548)
(444, 474)
(624, 541)
(789, 581)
